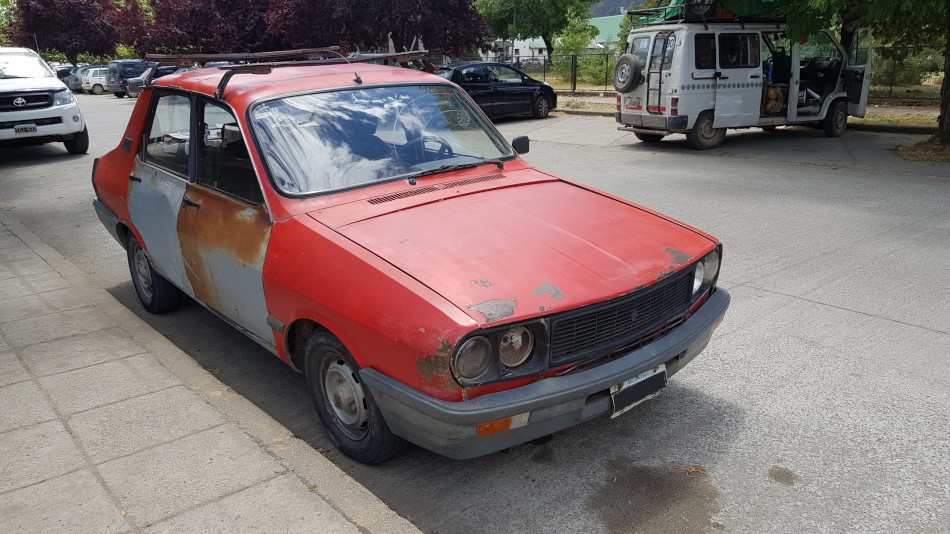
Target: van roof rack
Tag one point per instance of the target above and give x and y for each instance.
(704, 11)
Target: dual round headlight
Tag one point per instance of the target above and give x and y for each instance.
(706, 271)
(477, 354)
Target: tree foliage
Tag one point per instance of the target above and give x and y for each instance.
(68, 26)
(512, 19)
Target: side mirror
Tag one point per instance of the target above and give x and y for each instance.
(521, 144)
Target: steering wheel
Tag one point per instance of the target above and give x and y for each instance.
(417, 147)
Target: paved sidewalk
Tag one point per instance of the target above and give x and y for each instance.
(105, 426)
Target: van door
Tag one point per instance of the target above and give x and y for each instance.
(739, 84)
(857, 75)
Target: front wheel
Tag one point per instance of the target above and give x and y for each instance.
(541, 107)
(344, 404)
(704, 136)
(156, 294)
(79, 144)
(837, 119)
(119, 94)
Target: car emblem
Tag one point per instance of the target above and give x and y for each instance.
(19, 101)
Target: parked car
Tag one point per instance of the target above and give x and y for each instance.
(94, 80)
(119, 73)
(35, 106)
(369, 226)
(135, 85)
(74, 81)
(502, 90)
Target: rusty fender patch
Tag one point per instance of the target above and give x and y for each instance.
(435, 369)
(495, 309)
(549, 289)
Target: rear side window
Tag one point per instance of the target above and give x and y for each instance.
(223, 160)
(169, 133)
(738, 50)
(705, 51)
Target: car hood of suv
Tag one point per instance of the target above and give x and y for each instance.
(31, 84)
(515, 252)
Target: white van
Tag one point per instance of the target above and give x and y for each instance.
(35, 106)
(697, 70)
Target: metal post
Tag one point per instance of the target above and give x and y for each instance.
(574, 73)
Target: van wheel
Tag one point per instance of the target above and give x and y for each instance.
(79, 144)
(627, 73)
(119, 94)
(649, 138)
(541, 107)
(97, 89)
(704, 136)
(345, 405)
(836, 120)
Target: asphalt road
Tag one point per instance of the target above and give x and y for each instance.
(821, 404)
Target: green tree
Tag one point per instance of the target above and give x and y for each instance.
(513, 19)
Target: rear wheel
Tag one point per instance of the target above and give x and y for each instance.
(704, 136)
(649, 138)
(79, 144)
(156, 294)
(541, 107)
(97, 89)
(345, 405)
(837, 119)
(119, 94)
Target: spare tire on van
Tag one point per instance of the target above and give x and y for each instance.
(628, 73)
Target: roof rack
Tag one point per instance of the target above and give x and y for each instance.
(704, 11)
(189, 60)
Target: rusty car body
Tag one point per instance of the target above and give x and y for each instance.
(370, 227)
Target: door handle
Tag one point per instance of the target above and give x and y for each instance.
(134, 178)
(755, 76)
(191, 203)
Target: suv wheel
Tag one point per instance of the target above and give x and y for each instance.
(79, 144)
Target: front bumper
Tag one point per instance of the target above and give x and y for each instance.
(55, 123)
(550, 404)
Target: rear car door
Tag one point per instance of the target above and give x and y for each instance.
(857, 76)
(476, 81)
(739, 84)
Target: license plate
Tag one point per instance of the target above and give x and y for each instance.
(25, 128)
(640, 388)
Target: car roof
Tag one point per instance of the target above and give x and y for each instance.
(243, 88)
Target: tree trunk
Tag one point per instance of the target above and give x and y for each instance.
(549, 44)
(943, 122)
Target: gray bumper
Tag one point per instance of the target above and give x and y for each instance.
(556, 403)
(109, 220)
(638, 122)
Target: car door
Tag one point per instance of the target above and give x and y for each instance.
(857, 76)
(476, 81)
(510, 94)
(224, 226)
(739, 83)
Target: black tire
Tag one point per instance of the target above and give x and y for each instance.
(649, 138)
(628, 73)
(119, 94)
(97, 89)
(836, 121)
(704, 136)
(768, 128)
(541, 107)
(345, 406)
(79, 144)
(156, 294)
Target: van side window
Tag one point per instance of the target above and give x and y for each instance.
(705, 51)
(223, 160)
(168, 135)
(738, 50)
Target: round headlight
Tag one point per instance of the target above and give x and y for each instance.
(473, 358)
(516, 346)
(712, 266)
(698, 276)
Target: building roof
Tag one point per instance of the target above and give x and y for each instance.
(609, 28)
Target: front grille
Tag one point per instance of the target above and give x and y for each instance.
(32, 100)
(626, 322)
(39, 122)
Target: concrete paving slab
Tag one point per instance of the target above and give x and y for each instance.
(106, 383)
(3, 344)
(162, 481)
(73, 503)
(25, 267)
(16, 253)
(8, 240)
(23, 405)
(30, 284)
(79, 351)
(36, 453)
(129, 426)
(41, 304)
(279, 505)
(11, 370)
(57, 325)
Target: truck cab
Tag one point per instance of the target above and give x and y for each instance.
(682, 72)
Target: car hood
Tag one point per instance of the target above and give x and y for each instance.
(512, 252)
(31, 84)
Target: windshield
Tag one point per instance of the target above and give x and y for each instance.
(22, 66)
(325, 141)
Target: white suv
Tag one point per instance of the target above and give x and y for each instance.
(35, 106)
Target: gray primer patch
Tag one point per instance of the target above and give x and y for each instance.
(783, 476)
(495, 310)
(550, 289)
(654, 499)
(678, 258)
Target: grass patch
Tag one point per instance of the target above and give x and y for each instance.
(929, 150)
(902, 119)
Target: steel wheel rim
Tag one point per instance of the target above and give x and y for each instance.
(143, 272)
(623, 73)
(707, 132)
(345, 399)
(840, 119)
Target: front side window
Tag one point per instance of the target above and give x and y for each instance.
(738, 50)
(168, 136)
(504, 74)
(338, 139)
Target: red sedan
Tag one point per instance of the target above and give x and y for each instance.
(370, 227)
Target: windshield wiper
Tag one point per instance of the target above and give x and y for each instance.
(458, 166)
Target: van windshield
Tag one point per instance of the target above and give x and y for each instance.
(22, 66)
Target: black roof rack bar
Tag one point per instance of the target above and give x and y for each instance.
(187, 60)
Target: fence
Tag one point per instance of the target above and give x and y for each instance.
(898, 72)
